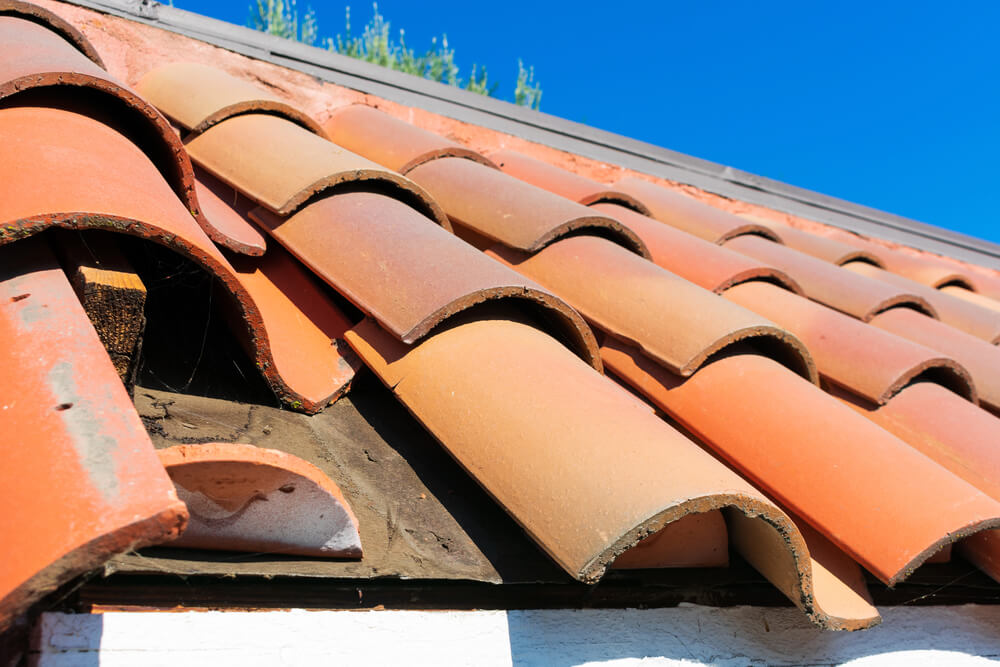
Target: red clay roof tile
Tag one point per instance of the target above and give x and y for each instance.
(692, 216)
(563, 183)
(822, 247)
(849, 466)
(405, 271)
(247, 498)
(105, 182)
(697, 540)
(234, 232)
(965, 294)
(196, 97)
(391, 142)
(510, 211)
(676, 322)
(53, 22)
(707, 265)
(980, 358)
(874, 364)
(80, 477)
(980, 322)
(604, 472)
(281, 165)
(38, 59)
(859, 296)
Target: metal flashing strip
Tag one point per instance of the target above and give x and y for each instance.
(552, 131)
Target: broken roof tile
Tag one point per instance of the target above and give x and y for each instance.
(246, 498)
(391, 142)
(196, 97)
(604, 472)
(859, 296)
(405, 271)
(705, 264)
(964, 315)
(54, 22)
(873, 363)
(563, 183)
(692, 216)
(510, 211)
(849, 466)
(78, 465)
(106, 182)
(281, 165)
(980, 358)
(630, 298)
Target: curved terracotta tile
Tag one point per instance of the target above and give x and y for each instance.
(510, 211)
(585, 468)
(859, 296)
(873, 363)
(705, 264)
(69, 170)
(80, 479)
(196, 97)
(391, 142)
(53, 22)
(405, 271)
(980, 322)
(821, 247)
(562, 182)
(234, 232)
(925, 270)
(849, 478)
(959, 437)
(36, 58)
(980, 358)
(684, 213)
(965, 294)
(247, 498)
(676, 322)
(697, 540)
(281, 165)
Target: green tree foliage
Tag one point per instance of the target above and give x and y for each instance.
(376, 45)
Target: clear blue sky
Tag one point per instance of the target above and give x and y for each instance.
(895, 105)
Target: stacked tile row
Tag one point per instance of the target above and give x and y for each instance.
(745, 386)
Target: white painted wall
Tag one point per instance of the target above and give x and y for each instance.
(686, 635)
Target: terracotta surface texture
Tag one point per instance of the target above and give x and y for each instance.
(510, 211)
(960, 292)
(849, 466)
(40, 61)
(958, 437)
(827, 249)
(405, 271)
(964, 315)
(980, 358)
(247, 498)
(705, 264)
(196, 97)
(673, 321)
(562, 182)
(690, 215)
(80, 477)
(105, 182)
(873, 363)
(857, 295)
(233, 232)
(697, 540)
(54, 22)
(605, 472)
(281, 165)
(391, 142)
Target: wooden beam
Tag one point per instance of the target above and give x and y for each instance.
(111, 292)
